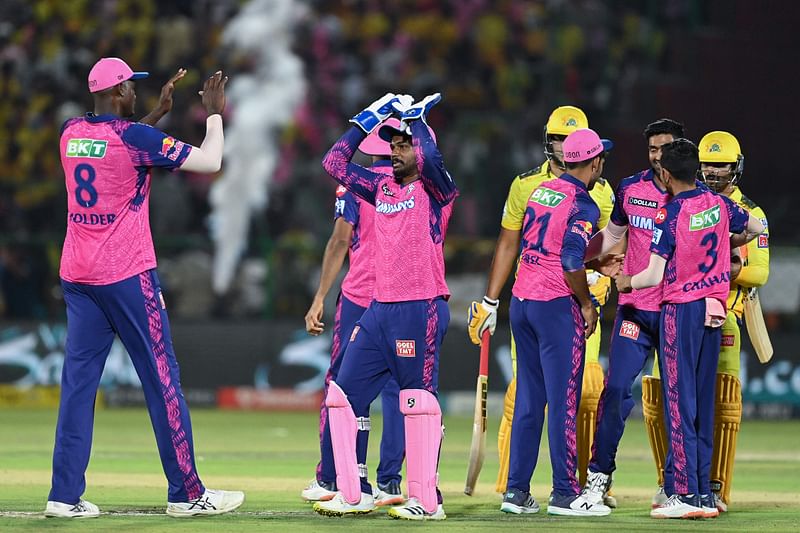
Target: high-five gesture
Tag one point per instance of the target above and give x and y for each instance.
(213, 93)
(164, 100)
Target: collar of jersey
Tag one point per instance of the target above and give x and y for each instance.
(697, 191)
(650, 175)
(575, 181)
(91, 117)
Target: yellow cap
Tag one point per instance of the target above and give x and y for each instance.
(566, 119)
(719, 147)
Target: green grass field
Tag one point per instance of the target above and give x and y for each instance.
(271, 456)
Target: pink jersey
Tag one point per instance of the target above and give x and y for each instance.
(559, 221)
(692, 233)
(410, 221)
(638, 200)
(107, 162)
(359, 283)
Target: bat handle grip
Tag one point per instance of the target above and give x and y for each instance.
(484, 364)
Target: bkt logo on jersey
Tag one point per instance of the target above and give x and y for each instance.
(86, 148)
(704, 219)
(547, 197)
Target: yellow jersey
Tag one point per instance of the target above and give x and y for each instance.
(517, 201)
(755, 257)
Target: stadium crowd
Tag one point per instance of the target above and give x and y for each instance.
(501, 64)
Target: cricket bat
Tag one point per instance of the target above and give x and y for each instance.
(478, 447)
(756, 328)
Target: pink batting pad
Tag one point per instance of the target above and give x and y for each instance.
(423, 421)
(343, 425)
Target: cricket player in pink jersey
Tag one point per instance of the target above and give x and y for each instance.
(552, 314)
(635, 334)
(111, 287)
(690, 252)
(402, 330)
(354, 235)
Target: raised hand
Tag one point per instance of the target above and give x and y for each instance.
(418, 110)
(375, 113)
(165, 99)
(164, 105)
(213, 93)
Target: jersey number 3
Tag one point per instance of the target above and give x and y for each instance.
(711, 240)
(85, 193)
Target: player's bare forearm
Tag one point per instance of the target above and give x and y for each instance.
(333, 258)
(154, 116)
(753, 229)
(505, 255)
(164, 105)
(579, 286)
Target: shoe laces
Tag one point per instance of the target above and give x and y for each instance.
(79, 507)
(203, 502)
(598, 482)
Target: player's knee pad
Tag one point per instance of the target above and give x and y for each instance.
(591, 389)
(653, 409)
(727, 420)
(344, 427)
(423, 422)
(504, 436)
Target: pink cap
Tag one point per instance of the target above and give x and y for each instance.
(584, 144)
(110, 71)
(373, 144)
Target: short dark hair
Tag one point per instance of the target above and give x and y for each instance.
(664, 126)
(681, 158)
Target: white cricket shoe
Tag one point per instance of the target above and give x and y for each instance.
(318, 491)
(338, 506)
(577, 505)
(82, 509)
(212, 502)
(519, 502)
(596, 487)
(388, 494)
(678, 506)
(413, 510)
(659, 498)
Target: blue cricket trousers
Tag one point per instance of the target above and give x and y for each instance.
(134, 310)
(634, 340)
(393, 438)
(550, 352)
(689, 355)
(392, 340)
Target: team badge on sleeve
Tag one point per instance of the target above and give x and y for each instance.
(629, 329)
(340, 190)
(661, 215)
(657, 235)
(763, 241)
(170, 148)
